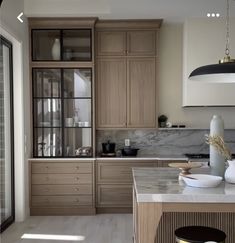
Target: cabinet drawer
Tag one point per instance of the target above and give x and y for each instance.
(85, 167)
(118, 172)
(38, 190)
(61, 179)
(61, 200)
(114, 195)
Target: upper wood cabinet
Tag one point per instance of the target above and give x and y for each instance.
(130, 43)
(126, 73)
(111, 43)
(111, 92)
(141, 93)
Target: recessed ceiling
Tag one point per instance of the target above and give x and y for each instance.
(170, 10)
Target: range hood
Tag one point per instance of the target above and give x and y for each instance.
(203, 44)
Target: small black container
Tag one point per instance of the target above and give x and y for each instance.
(108, 148)
(128, 151)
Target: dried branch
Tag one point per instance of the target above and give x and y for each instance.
(219, 144)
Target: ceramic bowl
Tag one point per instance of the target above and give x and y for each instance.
(201, 180)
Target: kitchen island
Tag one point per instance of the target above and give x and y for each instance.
(161, 204)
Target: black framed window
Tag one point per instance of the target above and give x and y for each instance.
(7, 210)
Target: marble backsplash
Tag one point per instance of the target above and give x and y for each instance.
(163, 142)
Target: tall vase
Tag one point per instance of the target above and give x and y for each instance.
(217, 161)
(55, 51)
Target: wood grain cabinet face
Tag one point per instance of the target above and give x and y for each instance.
(111, 93)
(142, 93)
(141, 43)
(63, 187)
(111, 43)
(114, 195)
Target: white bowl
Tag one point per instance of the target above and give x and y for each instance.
(201, 180)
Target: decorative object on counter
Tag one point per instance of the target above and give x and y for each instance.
(162, 120)
(201, 180)
(217, 161)
(168, 124)
(185, 168)
(129, 151)
(84, 151)
(218, 73)
(108, 148)
(230, 172)
(69, 122)
(55, 51)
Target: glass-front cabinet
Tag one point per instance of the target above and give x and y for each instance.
(62, 118)
(62, 67)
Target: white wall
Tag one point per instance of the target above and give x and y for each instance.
(170, 83)
(17, 33)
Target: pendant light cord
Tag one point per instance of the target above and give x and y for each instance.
(227, 30)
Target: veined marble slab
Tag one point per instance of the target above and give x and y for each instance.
(147, 157)
(162, 185)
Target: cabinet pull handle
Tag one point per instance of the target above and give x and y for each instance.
(77, 189)
(77, 178)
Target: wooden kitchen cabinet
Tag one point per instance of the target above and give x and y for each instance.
(114, 184)
(111, 92)
(126, 96)
(62, 187)
(111, 43)
(141, 93)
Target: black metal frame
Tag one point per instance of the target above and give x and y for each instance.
(11, 219)
(62, 98)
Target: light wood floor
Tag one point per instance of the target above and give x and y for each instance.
(102, 228)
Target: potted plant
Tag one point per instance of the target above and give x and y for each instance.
(162, 120)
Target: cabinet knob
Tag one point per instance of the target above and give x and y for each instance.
(77, 167)
(47, 167)
(77, 178)
(77, 189)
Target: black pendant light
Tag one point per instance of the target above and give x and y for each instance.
(224, 71)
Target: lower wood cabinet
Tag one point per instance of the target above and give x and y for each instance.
(62, 187)
(114, 184)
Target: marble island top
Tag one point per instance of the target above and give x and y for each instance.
(162, 185)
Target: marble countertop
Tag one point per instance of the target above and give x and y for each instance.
(162, 185)
(146, 157)
(139, 157)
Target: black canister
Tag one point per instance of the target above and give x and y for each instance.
(108, 148)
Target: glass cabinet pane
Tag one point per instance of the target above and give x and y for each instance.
(77, 83)
(77, 112)
(77, 142)
(47, 142)
(77, 45)
(46, 45)
(47, 82)
(47, 112)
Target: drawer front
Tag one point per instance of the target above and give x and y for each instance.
(114, 195)
(63, 179)
(118, 172)
(66, 167)
(54, 201)
(38, 190)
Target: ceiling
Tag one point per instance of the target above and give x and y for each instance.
(169, 10)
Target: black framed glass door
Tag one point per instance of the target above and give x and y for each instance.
(7, 213)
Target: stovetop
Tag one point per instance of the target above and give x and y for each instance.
(201, 156)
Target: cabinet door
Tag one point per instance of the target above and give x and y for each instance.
(141, 43)
(111, 93)
(141, 93)
(111, 43)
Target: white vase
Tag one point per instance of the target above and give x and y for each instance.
(230, 172)
(217, 161)
(55, 51)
